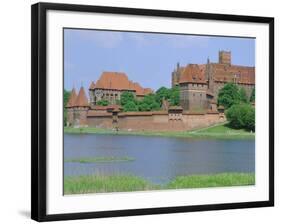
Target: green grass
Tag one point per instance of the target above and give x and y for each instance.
(221, 131)
(217, 180)
(101, 159)
(102, 184)
(125, 183)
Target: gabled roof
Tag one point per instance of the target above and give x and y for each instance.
(119, 81)
(113, 80)
(193, 73)
(72, 98)
(81, 100)
(233, 73)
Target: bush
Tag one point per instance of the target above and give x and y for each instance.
(130, 106)
(231, 94)
(103, 103)
(241, 116)
(127, 97)
(253, 95)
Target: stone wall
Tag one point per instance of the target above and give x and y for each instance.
(154, 121)
(193, 96)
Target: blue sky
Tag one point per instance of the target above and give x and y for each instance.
(145, 57)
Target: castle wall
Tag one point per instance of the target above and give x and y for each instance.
(193, 96)
(154, 121)
(70, 116)
(80, 116)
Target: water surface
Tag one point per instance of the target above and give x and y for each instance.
(157, 159)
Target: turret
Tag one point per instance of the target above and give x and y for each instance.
(70, 108)
(81, 108)
(225, 57)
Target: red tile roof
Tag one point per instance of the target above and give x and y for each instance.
(193, 73)
(81, 100)
(72, 98)
(92, 86)
(233, 73)
(119, 81)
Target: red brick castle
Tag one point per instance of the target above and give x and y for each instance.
(199, 85)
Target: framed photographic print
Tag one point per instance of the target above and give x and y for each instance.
(139, 111)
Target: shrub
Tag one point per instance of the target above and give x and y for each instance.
(241, 116)
(103, 103)
(229, 95)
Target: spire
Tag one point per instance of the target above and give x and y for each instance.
(72, 98)
(81, 100)
(92, 86)
(208, 60)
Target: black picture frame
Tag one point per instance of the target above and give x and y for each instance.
(39, 108)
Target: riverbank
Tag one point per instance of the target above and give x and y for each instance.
(125, 183)
(221, 131)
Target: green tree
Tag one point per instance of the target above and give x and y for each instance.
(127, 97)
(130, 106)
(151, 102)
(103, 103)
(162, 93)
(253, 95)
(143, 106)
(250, 119)
(229, 95)
(241, 116)
(66, 95)
(175, 96)
(242, 95)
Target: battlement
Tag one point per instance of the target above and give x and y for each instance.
(225, 57)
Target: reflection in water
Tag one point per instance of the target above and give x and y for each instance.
(158, 159)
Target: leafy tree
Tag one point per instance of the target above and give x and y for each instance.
(229, 95)
(103, 103)
(175, 96)
(127, 97)
(155, 106)
(143, 106)
(253, 95)
(250, 120)
(130, 106)
(162, 93)
(66, 95)
(151, 101)
(241, 116)
(242, 95)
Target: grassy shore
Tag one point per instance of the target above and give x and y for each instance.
(221, 131)
(125, 183)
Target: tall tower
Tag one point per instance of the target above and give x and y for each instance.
(70, 108)
(176, 75)
(81, 108)
(225, 57)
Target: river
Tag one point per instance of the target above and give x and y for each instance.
(157, 159)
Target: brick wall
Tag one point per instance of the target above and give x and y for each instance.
(154, 121)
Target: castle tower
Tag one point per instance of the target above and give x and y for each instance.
(69, 108)
(209, 75)
(225, 57)
(176, 75)
(81, 108)
(92, 94)
(193, 88)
